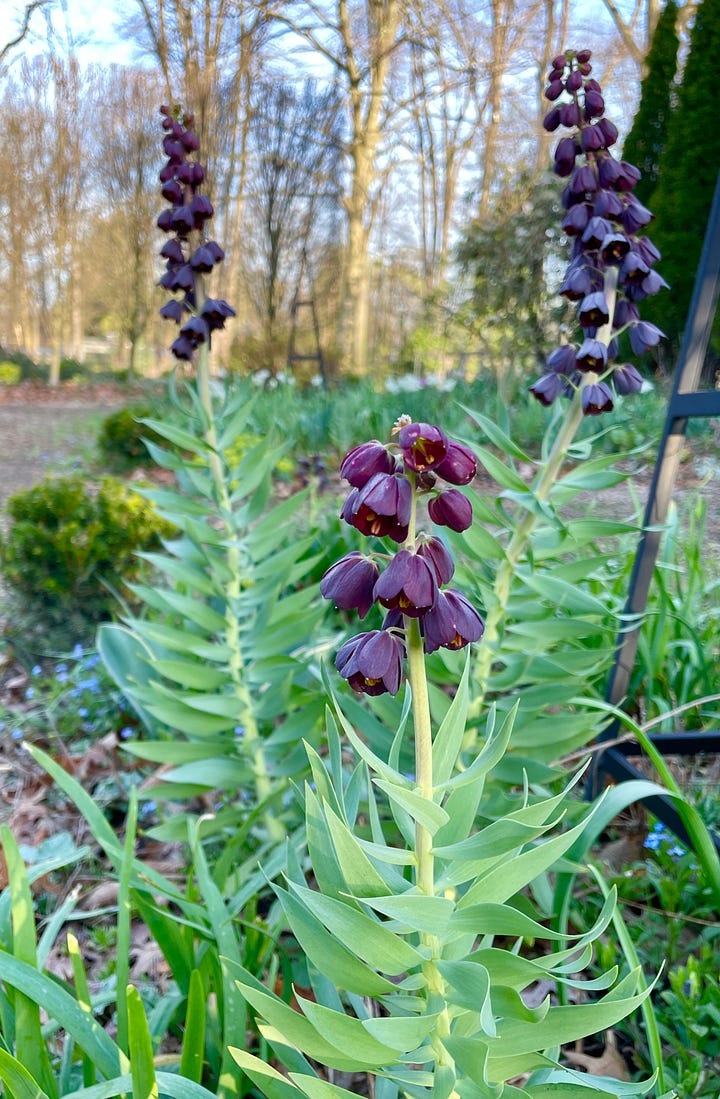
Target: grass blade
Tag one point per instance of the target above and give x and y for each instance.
(193, 1047)
(142, 1068)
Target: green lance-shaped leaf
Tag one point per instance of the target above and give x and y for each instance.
(16, 1078)
(30, 1046)
(142, 1068)
(127, 659)
(193, 1045)
(334, 960)
(366, 937)
(269, 1081)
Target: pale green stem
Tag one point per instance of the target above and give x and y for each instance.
(252, 737)
(517, 547)
(425, 860)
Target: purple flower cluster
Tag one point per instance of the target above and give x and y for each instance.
(187, 252)
(386, 481)
(611, 269)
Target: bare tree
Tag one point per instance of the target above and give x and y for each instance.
(361, 44)
(24, 26)
(295, 146)
(126, 168)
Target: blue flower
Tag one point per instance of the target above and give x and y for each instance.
(77, 651)
(83, 711)
(126, 731)
(61, 667)
(30, 692)
(36, 670)
(17, 734)
(91, 661)
(676, 851)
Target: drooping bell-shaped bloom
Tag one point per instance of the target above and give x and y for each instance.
(452, 623)
(459, 465)
(359, 464)
(423, 446)
(372, 662)
(350, 582)
(451, 509)
(381, 507)
(596, 398)
(408, 583)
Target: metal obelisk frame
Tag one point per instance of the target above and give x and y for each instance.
(686, 401)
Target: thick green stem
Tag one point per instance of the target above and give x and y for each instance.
(517, 547)
(246, 717)
(425, 880)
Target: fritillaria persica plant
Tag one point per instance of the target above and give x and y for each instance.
(610, 273)
(611, 269)
(387, 483)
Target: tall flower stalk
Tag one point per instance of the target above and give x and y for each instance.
(609, 274)
(190, 256)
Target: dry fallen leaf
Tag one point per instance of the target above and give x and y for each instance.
(610, 1062)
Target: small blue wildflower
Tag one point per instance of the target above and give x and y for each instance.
(676, 851)
(36, 670)
(62, 667)
(91, 661)
(653, 841)
(17, 734)
(76, 692)
(62, 677)
(77, 651)
(92, 684)
(30, 692)
(126, 732)
(83, 711)
(148, 808)
(239, 730)
(2, 726)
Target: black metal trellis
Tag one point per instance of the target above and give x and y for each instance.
(686, 401)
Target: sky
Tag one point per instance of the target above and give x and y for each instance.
(89, 24)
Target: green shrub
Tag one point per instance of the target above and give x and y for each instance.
(121, 439)
(71, 546)
(30, 370)
(10, 373)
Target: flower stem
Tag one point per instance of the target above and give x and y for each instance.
(425, 880)
(497, 613)
(246, 716)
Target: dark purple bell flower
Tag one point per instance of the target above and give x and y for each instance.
(408, 583)
(609, 171)
(201, 208)
(562, 359)
(165, 221)
(350, 582)
(628, 176)
(596, 398)
(633, 268)
(592, 356)
(423, 446)
(592, 139)
(584, 179)
(216, 312)
(173, 310)
(653, 283)
(596, 231)
(196, 329)
(381, 507)
(183, 221)
(635, 216)
(609, 131)
(551, 121)
(627, 379)
(183, 348)
(607, 205)
(459, 465)
(574, 81)
(190, 141)
(575, 221)
(437, 555)
(172, 251)
(548, 388)
(451, 509)
(203, 259)
(372, 662)
(594, 310)
(626, 312)
(554, 90)
(570, 114)
(644, 335)
(647, 250)
(614, 248)
(565, 154)
(452, 623)
(363, 461)
(594, 104)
